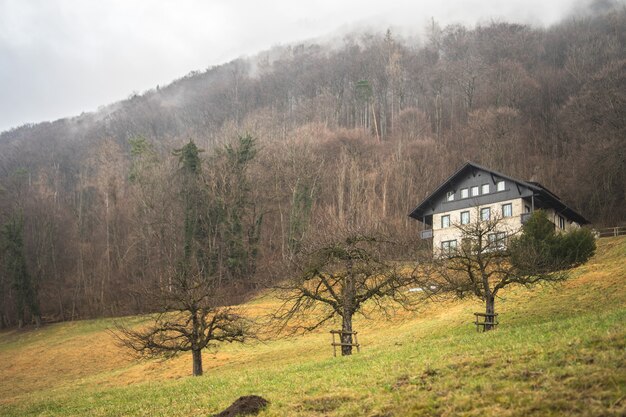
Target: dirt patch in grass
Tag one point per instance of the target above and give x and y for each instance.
(249, 405)
(401, 381)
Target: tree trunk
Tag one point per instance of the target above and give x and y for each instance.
(197, 362)
(346, 335)
(490, 309)
(375, 123)
(20, 311)
(348, 294)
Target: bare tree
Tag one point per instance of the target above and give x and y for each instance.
(336, 276)
(488, 259)
(188, 313)
(189, 319)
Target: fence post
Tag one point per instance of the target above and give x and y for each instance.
(613, 231)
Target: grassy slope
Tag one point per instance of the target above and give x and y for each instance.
(560, 351)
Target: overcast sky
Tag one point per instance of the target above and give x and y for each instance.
(59, 58)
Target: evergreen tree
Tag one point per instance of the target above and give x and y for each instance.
(233, 218)
(299, 217)
(15, 260)
(194, 198)
(540, 248)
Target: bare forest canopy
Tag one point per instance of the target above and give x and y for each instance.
(354, 133)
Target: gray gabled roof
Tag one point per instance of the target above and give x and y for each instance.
(542, 193)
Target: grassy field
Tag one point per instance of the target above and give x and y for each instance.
(560, 351)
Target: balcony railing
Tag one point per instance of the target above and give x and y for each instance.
(426, 234)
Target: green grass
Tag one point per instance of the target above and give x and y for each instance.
(560, 351)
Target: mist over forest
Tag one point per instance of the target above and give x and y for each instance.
(308, 137)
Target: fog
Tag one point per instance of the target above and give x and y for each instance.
(59, 58)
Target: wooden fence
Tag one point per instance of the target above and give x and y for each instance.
(611, 231)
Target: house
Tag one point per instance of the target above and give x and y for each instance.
(477, 193)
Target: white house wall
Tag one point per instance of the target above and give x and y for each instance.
(553, 216)
(510, 225)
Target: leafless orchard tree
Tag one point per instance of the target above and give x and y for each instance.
(189, 318)
(339, 276)
(482, 265)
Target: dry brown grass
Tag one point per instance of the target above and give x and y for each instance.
(59, 359)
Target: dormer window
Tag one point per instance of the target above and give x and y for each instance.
(485, 189)
(450, 196)
(500, 186)
(475, 191)
(464, 193)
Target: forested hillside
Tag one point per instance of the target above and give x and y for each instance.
(302, 137)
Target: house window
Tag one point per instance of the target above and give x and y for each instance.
(497, 240)
(448, 246)
(526, 209)
(445, 221)
(485, 189)
(500, 186)
(450, 196)
(475, 191)
(465, 217)
(561, 223)
(485, 214)
(507, 210)
(464, 193)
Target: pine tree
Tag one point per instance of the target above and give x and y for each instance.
(232, 217)
(15, 260)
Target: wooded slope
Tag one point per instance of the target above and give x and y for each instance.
(356, 132)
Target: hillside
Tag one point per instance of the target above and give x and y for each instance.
(351, 132)
(560, 350)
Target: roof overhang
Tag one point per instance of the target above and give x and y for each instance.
(424, 209)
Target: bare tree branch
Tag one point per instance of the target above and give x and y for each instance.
(334, 276)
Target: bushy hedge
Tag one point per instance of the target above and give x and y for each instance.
(575, 247)
(539, 248)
